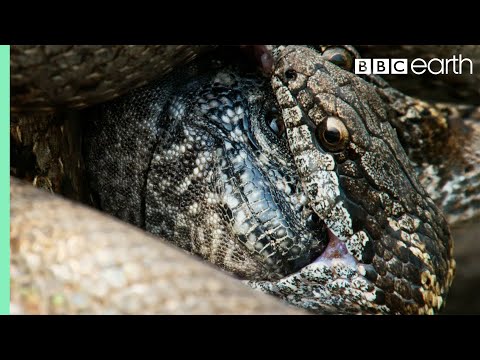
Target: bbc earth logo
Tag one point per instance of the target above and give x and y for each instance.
(418, 66)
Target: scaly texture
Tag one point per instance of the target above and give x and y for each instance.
(365, 191)
(46, 146)
(458, 188)
(208, 167)
(442, 142)
(203, 168)
(48, 77)
(69, 259)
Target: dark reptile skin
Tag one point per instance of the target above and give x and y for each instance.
(49, 77)
(440, 139)
(442, 142)
(192, 159)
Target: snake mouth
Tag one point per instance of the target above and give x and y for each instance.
(334, 282)
(329, 249)
(335, 251)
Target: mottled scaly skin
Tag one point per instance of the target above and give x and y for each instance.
(442, 141)
(202, 168)
(367, 193)
(45, 78)
(67, 258)
(49, 79)
(199, 159)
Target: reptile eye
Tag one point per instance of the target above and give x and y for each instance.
(290, 74)
(332, 134)
(340, 57)
(275, 122)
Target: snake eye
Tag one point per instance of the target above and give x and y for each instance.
(290, 75)
(275, 123)
(332, 134)
(340, 57)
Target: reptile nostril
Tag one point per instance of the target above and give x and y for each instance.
(290, 74)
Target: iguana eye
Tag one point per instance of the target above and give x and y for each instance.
(275, 122)
(332, 134)
(340, 57)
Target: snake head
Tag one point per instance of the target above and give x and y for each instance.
(390, 248)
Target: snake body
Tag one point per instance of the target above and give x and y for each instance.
(202, 159)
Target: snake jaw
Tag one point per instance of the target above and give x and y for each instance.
(335, 282)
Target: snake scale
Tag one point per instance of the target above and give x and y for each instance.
(305, 191)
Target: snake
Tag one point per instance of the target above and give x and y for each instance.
(305, 191)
